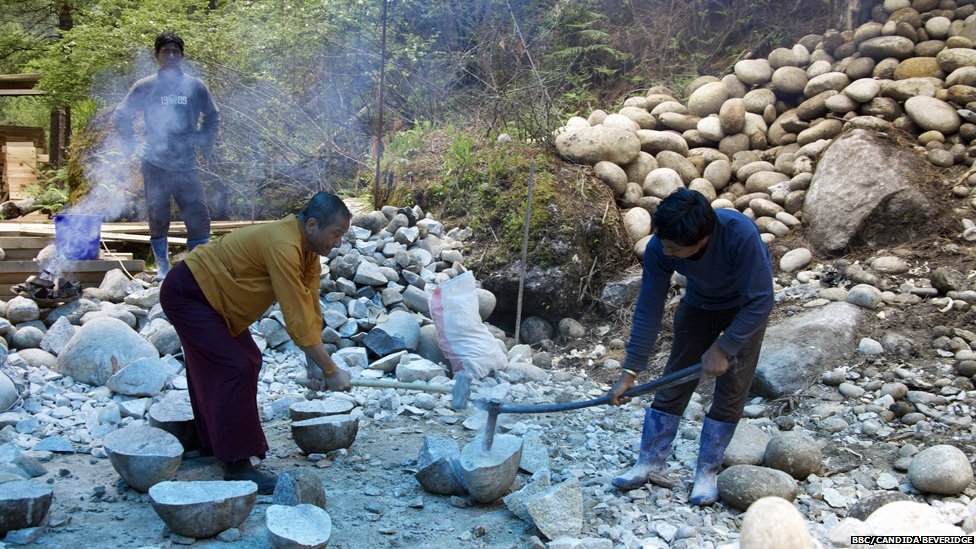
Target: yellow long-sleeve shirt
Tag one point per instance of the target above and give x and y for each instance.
(243, 272)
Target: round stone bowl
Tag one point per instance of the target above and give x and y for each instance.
(143, 456)
(203, 508)
(325, 434)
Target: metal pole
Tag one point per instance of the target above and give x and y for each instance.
(379, 125)
(525, 246)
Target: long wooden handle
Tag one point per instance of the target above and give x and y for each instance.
(389, 384)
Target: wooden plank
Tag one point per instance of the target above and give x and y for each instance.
(77, 266)
(16, 242)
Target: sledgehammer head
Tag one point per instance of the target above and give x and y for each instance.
(493, 406)
(461, 390)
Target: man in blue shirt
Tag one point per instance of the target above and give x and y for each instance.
(719, 322)
(180, 119)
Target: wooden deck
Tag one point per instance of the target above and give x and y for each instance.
(22, 241)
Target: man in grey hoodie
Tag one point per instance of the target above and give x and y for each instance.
(180, 119)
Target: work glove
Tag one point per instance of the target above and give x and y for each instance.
(623, 384)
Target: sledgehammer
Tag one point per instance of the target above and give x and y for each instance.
(495, 407)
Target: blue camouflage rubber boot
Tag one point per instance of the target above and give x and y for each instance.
(715, 438)
(160, 251)
(656, 437)
(190, 244)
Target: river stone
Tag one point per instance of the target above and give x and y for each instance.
(202, 509)
(794, 454)
(594, 144)
(654, 141)
(661, 182)
(774, 522)
(798, 349)
(863, 90)
(930, 113)
(23, 504)
(890, 265)
(637, 223)
(438, 469)
(558, 510)
(755, 72)
(8, 392)
(143, 456)
(399, 332)
(613, 175)
(863, 508)
(707, 99)
(741, 485)
(886, 46)
(299, 487)
(790, 80)
(748, 445)
(940, 469)
(298, 527)
(535, 329)
(308, 409)
(324, 434)
(719, 173)
(864, 192)
(638, 169)
(100, 348)
(144, 377)
(174, 414)
(864, 295)
(917, 67)
(951, 59)
(910, 518)
(22, 309)
(795, 260)
(489, 475)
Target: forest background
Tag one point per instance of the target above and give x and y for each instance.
(298, 82)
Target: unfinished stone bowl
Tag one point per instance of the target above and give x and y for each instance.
(23, 504)
(325, 434)
(142, 455)
(489, 475)
(300, 526)
(308, 409)
(203, 508)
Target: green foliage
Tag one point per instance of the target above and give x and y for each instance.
(51, 190)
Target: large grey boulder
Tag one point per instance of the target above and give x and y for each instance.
(143, 456)
(201, 509)
(865, 191)
(795, 454)
(802, 347)
(100, 348)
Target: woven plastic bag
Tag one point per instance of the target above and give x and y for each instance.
(462, 336)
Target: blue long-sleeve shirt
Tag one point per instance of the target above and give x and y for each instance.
(736, 271)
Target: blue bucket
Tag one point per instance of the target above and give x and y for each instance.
(76, 236)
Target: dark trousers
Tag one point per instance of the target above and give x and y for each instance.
(221, 370)
(185, 187)
(694, 332)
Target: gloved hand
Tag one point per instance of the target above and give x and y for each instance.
(623, 384)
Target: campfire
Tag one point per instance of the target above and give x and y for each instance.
(48, 289)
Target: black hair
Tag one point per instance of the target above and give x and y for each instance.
(685, 217)
(168, 38)
(326, 208)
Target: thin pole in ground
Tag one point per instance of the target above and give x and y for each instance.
(525, 247)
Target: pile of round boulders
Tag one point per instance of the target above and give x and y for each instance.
(822, 134)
